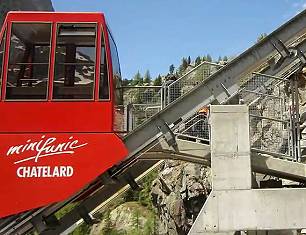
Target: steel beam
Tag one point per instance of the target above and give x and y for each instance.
(211, 90)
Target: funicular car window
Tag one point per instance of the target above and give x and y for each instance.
(75, 61)
(2, 46)
(116, 71)
(103, 84)
(119, 108)
(28, 68)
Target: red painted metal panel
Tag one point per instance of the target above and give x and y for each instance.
(55, 16)
(52, 61)
(55, 117)
(6, 56)
(98, 62)
(110, 69)
(50, 149)
(39, 169)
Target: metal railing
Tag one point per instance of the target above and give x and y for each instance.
(270, 125)
(189, 80)
(196, 127)
(139, 104)
(142, 102)
(142, 94)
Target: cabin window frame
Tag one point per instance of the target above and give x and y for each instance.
(7, 60)
(111, 40)
(103, 45)
(56, 25)
(3, 40)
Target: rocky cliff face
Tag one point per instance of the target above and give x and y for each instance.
(178, 193)
(23, 5)
(130, 218)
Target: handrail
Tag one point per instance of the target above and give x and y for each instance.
(194, 69)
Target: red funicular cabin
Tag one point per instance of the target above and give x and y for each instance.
(58, 92)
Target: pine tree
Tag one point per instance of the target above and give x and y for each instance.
(189, 60)
(171, 69)
(198, 60)
(137, 79)
(147, 78)
(208, 58)
(184, 63)
(183, 66)
(158, 81)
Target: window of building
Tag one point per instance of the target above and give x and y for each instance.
(75, 61)
(28, 68)
(104, 83)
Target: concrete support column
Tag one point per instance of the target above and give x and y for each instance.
(230, 147)
(233, 205)
(230, 154)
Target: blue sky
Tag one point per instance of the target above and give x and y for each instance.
(152, 34)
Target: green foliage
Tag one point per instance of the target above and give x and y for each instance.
(183, 66)
(82, 229)
(225, 58)
(209, 58)
(150, 225)
(188, 60)
(147, 77)
(131, 195)
(69, 207)
(108, 227)
(198, 60)
(136, 223)
(201, 74)
(158, 81)
(261, 36)
(137, 79)
(171, 68)
(184, 63)
(144, 196)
